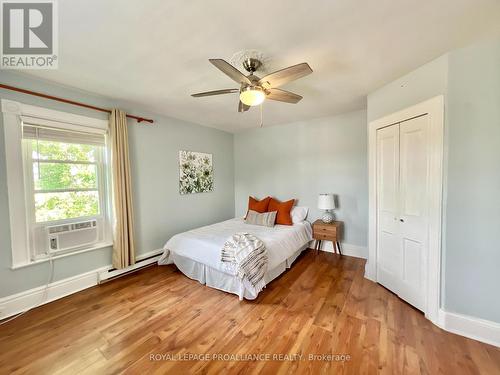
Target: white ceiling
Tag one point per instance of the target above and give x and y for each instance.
(155, 53)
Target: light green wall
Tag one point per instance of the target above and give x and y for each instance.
(423, 83)
(303, 159)
(159, 208)
(469, 79)
(472, 257)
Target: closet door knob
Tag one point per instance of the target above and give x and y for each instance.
(401, 220)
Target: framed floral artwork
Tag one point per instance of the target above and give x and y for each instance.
(196, 173)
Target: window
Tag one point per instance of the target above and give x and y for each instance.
(59, 202)
(65, 172)
(65, 184)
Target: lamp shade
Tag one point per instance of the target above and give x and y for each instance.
(252, 96)
(326, 202)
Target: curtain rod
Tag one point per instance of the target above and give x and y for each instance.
(67, 101)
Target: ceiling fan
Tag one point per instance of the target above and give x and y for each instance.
(254, 90)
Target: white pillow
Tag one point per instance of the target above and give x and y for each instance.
(299, 214)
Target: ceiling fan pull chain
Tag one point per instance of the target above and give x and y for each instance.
(261, 121)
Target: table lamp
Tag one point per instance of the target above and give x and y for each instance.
(326, 202)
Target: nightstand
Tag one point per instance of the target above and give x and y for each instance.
(328, 232)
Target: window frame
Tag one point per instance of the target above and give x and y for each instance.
(101, 186)
(20, 180)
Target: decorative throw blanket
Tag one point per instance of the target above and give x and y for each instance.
(248, 256)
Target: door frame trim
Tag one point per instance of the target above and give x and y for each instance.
(434, 108)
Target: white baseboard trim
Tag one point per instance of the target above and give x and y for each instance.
(149, 254)
(347, 249)
(19, 302)
(150, 257)
(474, 328)
(468, 326)
(368, 272)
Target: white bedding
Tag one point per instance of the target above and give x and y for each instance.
(203, 245)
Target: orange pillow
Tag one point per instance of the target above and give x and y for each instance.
(259, 206)
(283, 216)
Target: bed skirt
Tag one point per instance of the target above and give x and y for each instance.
(224, 281)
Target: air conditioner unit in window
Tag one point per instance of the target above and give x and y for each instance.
(66, 237)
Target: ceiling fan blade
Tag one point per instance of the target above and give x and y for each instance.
(286, 75)
(283, 96)
(215, 92)
(230, 71)
(243, 107)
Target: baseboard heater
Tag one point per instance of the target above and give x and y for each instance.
(113, 273)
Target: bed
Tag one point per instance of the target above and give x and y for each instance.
(197, 252)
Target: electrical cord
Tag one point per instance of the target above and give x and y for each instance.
(44, 296)
(51, 261)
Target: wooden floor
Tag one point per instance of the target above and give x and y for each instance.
(322, 306)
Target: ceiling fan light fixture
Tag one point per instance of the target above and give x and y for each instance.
(252, 95)
(253, 90)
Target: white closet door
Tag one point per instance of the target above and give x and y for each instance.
(388, 241)
(413, 208)
(402, 208)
